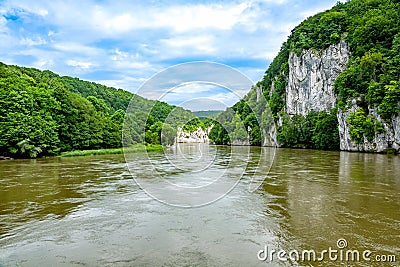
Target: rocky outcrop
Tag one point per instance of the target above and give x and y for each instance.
(311, 79)
(198, 136)
(5, 158)
(269, 134)
(311, 83)
(388, 139)
(310, 87)
(269, 137)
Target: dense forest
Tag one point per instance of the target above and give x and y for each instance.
(372, 30)
(206, 113)
(44, 114)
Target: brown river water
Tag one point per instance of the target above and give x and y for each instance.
(195, 208)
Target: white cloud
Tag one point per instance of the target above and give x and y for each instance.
(30, 7)
(192, 17)
(272, 1)
(79, 64)
(199, 104)
(178, 18)
(193, 88)
(125, 60)
(74, 47)
(109, 23)
(44, 64)
(191, 95)
(3, 24)
(197, 43)
(119, 55)
(133, 65)
(128, 83)
(228, 99)
(42, 12)
(33, 42)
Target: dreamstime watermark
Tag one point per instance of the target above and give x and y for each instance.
(340, 253)
(173, 174)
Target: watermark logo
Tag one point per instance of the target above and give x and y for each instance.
(341, 243)
(340, 253)
(196, 174)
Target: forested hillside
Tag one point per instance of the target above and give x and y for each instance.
(372, 30)
(42, 113)
(207, 113)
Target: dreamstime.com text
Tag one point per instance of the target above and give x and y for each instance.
(338, 254)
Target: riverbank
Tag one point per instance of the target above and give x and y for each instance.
(132, 149)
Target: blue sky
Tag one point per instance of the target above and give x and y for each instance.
(124, 43)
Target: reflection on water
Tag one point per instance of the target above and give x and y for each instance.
(89, 211)
(191, 175)
(322, 197)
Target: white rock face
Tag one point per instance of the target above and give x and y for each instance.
(389, 139)
(196, 137)
(311, 83)
(270, 137)
(396, 133)
(269, 134)
(344, 129)
(311, 79)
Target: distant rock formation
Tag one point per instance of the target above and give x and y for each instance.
(196, 137)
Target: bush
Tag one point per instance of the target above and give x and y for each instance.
(316, 130)
(363, 126)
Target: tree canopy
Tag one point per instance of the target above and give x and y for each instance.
(44, 114)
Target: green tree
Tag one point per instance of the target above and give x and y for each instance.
(168, 134)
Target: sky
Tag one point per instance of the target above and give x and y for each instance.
(125, 43)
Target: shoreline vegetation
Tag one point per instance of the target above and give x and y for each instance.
(138, 148)
(110, 151)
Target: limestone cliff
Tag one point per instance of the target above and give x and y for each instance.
(310, 85)
(311, 79)
(198, 136)
(388, 139)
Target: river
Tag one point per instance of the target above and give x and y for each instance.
(90, 211)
